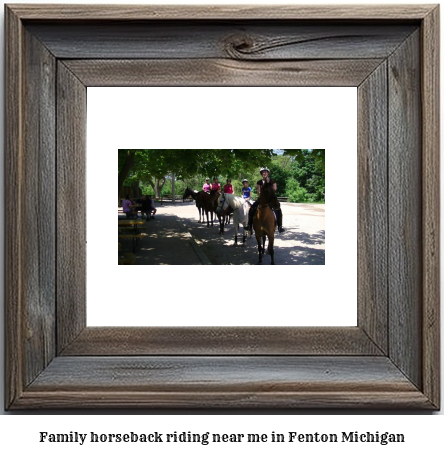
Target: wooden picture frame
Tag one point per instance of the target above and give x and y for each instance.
(390, 360)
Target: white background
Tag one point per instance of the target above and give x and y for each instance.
(221, 117)
(20, 433)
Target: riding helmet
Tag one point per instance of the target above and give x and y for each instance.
(264, 169)
(245, 180)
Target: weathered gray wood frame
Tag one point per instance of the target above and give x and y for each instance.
(390, 360)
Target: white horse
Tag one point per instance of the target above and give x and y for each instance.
(240, 212)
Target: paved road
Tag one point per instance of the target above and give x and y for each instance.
(176, 237)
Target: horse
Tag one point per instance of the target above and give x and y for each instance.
(240, 212)
(226, 217)
(196, 197)
(228, 213)
(264, 221)
(208, 202)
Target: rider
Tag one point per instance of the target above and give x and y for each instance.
(265, 173)
(215, 185)
(206, 187)
(228, 188)
(246, 191)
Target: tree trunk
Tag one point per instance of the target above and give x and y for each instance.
(173, 189)
(136, 189)
(129, 162)
(157, 186)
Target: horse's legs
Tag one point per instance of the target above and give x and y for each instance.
(236, 229)
(259, 247)
(263, 244)
(222, 219)
(221, 224)
(270, 248)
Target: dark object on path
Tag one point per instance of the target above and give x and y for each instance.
(208, 203)
(264, 222)
(205, 203)
(195, 195)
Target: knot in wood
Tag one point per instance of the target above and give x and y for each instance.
(238, 46)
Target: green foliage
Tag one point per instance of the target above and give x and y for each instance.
(299, 173)
(251, 175)
(296, 193)
(153, 166)
(280, 175)
(180, 186)
(310, 175)
(299, 155)
(157, 163)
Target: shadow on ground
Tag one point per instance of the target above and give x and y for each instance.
(221, 250)
(176, 237)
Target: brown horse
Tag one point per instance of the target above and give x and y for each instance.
(264, 222)
(196, 197)
(208, 204)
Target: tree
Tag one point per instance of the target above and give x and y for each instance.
(296, 193)
(300, 154)
(154, 165)
(307, 179)
(280, 175)
(126, 163)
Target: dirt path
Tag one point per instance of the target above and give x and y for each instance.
(302, 243)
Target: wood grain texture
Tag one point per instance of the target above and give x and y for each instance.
(405, 209)
(71, 206)
(89, 374)
(233, 382)
(235, 40)
(169, 373)
(209, 72)
(430, 94)
(38, 210)
(126, 341)
(372, 207)
(220, 12)
(13, 205)
(234, 401)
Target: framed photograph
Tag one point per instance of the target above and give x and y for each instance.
(390, 359)
(183, 293)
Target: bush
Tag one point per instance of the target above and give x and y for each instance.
(281, 176)
(296, 193)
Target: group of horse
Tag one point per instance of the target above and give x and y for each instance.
(206, 203)
(222, 204)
